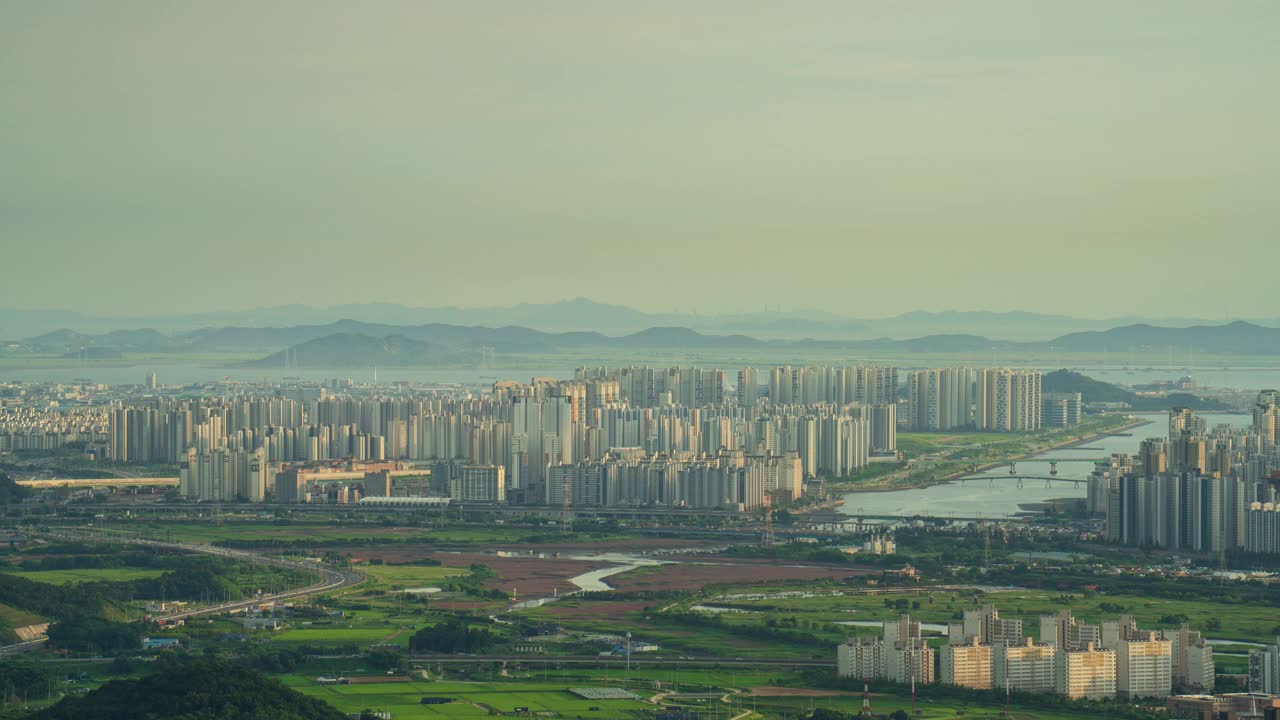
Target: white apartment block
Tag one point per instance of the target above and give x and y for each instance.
(1144, 667)
(1027, 667)
(1088, 673)
(968, 665)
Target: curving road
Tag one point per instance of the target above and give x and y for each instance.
(330, 578)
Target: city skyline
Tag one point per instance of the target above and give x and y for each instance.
(472, 158)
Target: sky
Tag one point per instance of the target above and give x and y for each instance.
(1095, 158)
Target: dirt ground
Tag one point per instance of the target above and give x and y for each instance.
(698, 574)
(773, 691)
(597, 610)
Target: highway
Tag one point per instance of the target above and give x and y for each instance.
(330, 578)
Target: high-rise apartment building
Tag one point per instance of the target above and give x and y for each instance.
(899, 655)
(748, 387)
(1026, 667)
(479, 483)
(1008, 400)
(940, 399)
(1086, 673)
(1144, 666)
(225, 474)
(1264, 669)
(967, 665)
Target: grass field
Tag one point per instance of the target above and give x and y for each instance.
(395, 577)
(478, 699)
(549, 695)
(12, 617)
(65, 577)
(1239, 622)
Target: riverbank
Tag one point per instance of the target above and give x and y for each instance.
(883, 484)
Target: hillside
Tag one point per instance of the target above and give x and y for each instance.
(1096, 391)
(193, 690)
(461, 343)
(1237, 338)
(343, 350)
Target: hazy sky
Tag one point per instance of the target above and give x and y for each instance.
(1095, 158)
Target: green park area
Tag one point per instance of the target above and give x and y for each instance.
(76, 575)
(941, 606)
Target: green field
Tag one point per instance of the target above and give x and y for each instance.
(397, 577)
(11, 618)
(1239, 622)
(65, 577)
(473, 699)
(550, 695)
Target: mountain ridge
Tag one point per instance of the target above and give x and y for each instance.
(380, 343)
(585, 315)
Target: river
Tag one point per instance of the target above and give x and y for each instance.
(994, 494)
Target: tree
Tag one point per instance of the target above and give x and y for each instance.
(11, 492)
(95, 635)
(193, 690)
(452, 636)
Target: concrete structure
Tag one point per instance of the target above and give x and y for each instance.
(1235, 706)
(480, 483)
(1088, 673)
(1026, 667)
(1144, 667)
(224, 474)
(968, 665)
(1264, 669)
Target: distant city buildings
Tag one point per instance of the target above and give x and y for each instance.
(676, 436)
(1199, 489)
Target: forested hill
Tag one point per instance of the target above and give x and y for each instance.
(193, 690)
(1096, 391)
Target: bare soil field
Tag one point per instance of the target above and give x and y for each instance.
(597, 610)
(695, 576)
(775, 691)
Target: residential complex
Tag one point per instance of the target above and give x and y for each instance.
(1199, 489)
(1070, 658)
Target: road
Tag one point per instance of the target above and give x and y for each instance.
(330, 578)
(27, 646)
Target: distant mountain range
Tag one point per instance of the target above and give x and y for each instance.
(352, 343)
(583, 315)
